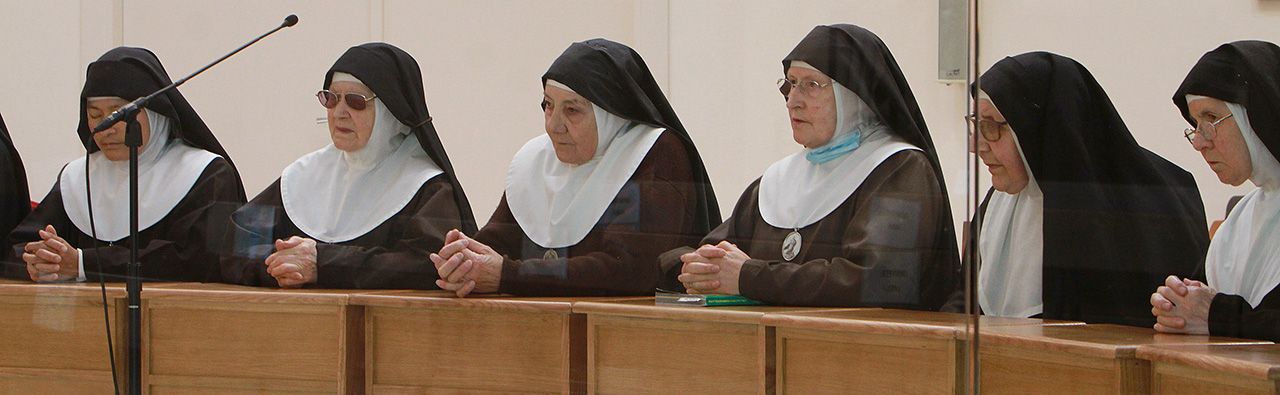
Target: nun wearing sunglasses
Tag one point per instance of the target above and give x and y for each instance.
(366, 210)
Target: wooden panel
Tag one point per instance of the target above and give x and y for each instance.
(906, 322)
(1074, 359)
(646, 308)
(53, 381)
(187, 385)
(645, 355)
(1187, 369)
(411, 350)
(1018, 370)
(249, 342)
(881, 350)
(1098, 340)
(51, 336)
(1172, 379)
(812, 361)
(1259, 361)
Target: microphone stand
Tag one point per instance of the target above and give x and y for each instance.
(133, 139)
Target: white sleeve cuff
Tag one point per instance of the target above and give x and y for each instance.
(80, 277)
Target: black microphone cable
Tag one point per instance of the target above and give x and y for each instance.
(102, 283)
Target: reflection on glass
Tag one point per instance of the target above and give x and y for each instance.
(859, 217)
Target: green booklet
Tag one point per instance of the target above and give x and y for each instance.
(683, 299)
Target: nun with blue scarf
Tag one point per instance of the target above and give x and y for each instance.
(859, 216)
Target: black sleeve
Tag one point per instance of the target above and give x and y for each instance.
(1232, 316)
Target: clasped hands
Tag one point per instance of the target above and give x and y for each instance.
(294, 263)
(712, 269)
(466, 265)
(51, 258)
(1182, 306)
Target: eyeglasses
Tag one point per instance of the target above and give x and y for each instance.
(806, 87)
(1204, 129)
(989, 128)
(356, 101)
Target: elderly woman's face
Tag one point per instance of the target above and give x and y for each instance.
(813, 113)
(1226, 153)
(571, 124)
(350, 129)
(111, 141)
(1008, 172)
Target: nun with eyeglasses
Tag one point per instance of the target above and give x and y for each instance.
(858, 216)
(1231, 99)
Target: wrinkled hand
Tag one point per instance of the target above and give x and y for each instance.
(294, 263)
(1182, 306)
(713, 269)
(466, 265)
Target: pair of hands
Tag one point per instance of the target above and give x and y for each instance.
(713, 269)
(51, 258)
(466, 265)
(1182, 306)
(294, 262)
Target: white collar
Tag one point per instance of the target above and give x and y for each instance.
(557, 204)
(1011, 247)
(795, 193)
(1244, 257)
(167, 169)
(335, 196)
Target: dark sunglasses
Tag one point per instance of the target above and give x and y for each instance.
(355, 101)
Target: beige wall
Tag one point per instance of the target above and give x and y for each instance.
(481, 59)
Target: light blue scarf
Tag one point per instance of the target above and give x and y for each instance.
(835, 148)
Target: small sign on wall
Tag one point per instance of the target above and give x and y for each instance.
(953, 41)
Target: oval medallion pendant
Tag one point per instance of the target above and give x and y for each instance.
(791, 246)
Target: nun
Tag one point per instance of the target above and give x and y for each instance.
(589, 205)
(859, 216)
(15, 200)
(187, 187)
(367, 209)
(1081, 221)
(1231, 99)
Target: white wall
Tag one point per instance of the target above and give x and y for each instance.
(716, 59)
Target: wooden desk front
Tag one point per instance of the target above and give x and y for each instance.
(1206, 369)
(54, 339)
(216, 338)
(637, 347)
(876, 351)
(427, 341)
(1089, 359)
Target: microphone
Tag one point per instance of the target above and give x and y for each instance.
(133, 139)
(133, 107)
